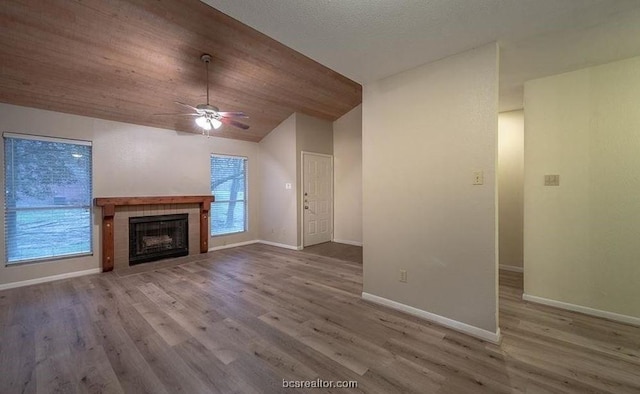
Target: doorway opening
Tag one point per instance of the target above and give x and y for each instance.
(317, 198)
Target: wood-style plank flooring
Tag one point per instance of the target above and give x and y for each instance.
(242, 320)
(336, 250)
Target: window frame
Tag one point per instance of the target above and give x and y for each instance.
(245, 194)
(89, 207)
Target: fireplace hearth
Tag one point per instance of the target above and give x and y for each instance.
(158, 237)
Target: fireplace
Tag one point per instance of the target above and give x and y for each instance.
(158, 237)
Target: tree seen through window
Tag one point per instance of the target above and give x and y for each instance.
(228, 185)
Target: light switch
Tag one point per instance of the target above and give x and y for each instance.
(478, 178)
(287, 186)
(552, 180)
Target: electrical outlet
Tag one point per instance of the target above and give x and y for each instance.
(287, 186)
(403, 276)
(478, 178)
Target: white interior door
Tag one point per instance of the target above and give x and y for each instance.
(317, 198)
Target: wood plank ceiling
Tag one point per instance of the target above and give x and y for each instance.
(127, 60)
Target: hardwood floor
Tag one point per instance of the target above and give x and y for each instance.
(337, 251)
(242, 320)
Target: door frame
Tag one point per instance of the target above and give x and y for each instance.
(301, 195)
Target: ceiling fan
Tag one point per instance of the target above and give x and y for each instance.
(209, 116)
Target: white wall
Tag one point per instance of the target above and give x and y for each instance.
(278, 206)
(424, 132)
(511, 187)
(312, 135)
(129, 160)
(347, 170)
(581, 238)
(280, 153)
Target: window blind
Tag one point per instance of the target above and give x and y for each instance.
(229, 186)
(48, 189)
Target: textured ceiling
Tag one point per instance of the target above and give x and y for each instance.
(369, 39)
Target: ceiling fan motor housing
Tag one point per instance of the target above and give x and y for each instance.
(207, 108)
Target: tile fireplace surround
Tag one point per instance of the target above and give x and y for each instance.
(116, 212)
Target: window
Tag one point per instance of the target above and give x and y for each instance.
(229, 187)
(47, 198)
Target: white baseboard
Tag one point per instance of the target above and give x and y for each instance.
(255, 241)
(45, 279)
(280, 245)
(493, 337)
(512, 268)
(344, 241)
(583, 309)
(234, 245)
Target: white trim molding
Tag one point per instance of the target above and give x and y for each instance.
(280, 245)
(234, 245)
(512, 268)
(52, 278)
(583, 309)
(255, 241)
(493, 337)
(344, 241)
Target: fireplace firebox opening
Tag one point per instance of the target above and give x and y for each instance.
(158, 237)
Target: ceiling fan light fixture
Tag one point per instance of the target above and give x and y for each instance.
(203, 122)
(207, 116)
(215, 123)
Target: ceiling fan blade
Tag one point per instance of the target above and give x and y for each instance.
(176, 114)
(188, 106)
(233, 114)
(234, 123)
